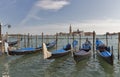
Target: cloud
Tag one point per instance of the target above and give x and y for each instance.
(43, 5)
(52, 4)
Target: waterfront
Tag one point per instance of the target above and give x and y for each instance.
(34, 65)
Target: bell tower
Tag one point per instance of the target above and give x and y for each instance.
(70, 29)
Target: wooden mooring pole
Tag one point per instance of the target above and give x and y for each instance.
(79, 41)
(42, 36)
(18, 37)
(94, 43)
(73, 40)
(0, 32)
(73, 46)
(42, 40)
(28, 41)
(31, 39)
(6, 36)
(25, 40)
(107, 39)
(118, 45)
(36, 41)
(56, 40)
(0, 40)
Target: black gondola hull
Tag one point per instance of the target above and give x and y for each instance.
(57, 55)
(108, 59)
(79, 57)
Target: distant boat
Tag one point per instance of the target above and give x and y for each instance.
(30, 50)
(82, 54)
(14, 42)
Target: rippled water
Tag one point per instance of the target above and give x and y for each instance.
(34, 65)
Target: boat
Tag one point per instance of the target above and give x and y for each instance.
(58, 53)
(14, 42)
(106, 55)
(30, 50)
(104, 51)
(23, 51)
(82, 53)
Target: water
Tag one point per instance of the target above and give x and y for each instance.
(34, 65)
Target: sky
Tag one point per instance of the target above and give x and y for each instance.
(54, 16)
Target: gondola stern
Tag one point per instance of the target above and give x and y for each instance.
(46, 53)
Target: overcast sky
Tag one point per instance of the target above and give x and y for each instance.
(53, 16)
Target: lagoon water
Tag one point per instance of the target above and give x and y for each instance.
(33, 65)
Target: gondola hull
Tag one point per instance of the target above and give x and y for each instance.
(81, 55)
(57, 55)
(108, 59)
(25, 51)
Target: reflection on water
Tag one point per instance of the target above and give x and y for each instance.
(58, 66)
(5, 73)
(34, 65)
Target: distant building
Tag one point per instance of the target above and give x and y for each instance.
(63, 34)
(111, 33)
(88, 33)
(78, 32)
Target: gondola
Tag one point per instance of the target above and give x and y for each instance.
(105, 54)
(57, 53)
(60, 52)
(30, 50)
(81, 54)
(14, 42)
